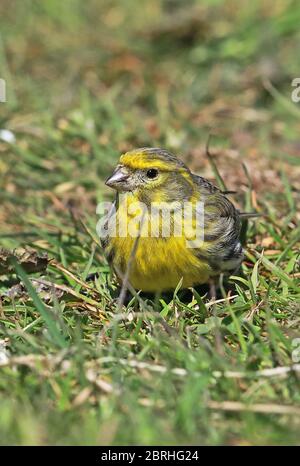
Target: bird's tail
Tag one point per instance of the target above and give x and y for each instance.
(246, 215)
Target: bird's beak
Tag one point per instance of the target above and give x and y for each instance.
(118, 178)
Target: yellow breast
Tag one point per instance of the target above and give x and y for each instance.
(156, 263)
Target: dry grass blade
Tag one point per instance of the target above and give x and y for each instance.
(267, 408)
(125, 277)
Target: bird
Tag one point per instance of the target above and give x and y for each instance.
(154, 258)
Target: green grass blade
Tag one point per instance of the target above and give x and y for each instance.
(41, 308)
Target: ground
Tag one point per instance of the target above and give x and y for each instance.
(85, 82)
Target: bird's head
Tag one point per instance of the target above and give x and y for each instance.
(154, 174)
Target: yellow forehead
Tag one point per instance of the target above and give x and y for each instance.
(140, 161)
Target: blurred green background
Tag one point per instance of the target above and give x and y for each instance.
(87, 80)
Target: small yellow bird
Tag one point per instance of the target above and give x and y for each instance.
(155, 188)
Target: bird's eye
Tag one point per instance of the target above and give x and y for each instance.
(152, 173)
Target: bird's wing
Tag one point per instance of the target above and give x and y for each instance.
(222, 226)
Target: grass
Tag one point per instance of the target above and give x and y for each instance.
(86, 81)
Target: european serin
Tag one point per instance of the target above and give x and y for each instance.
(152, 259)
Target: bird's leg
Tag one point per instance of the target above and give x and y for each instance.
(212, 290)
